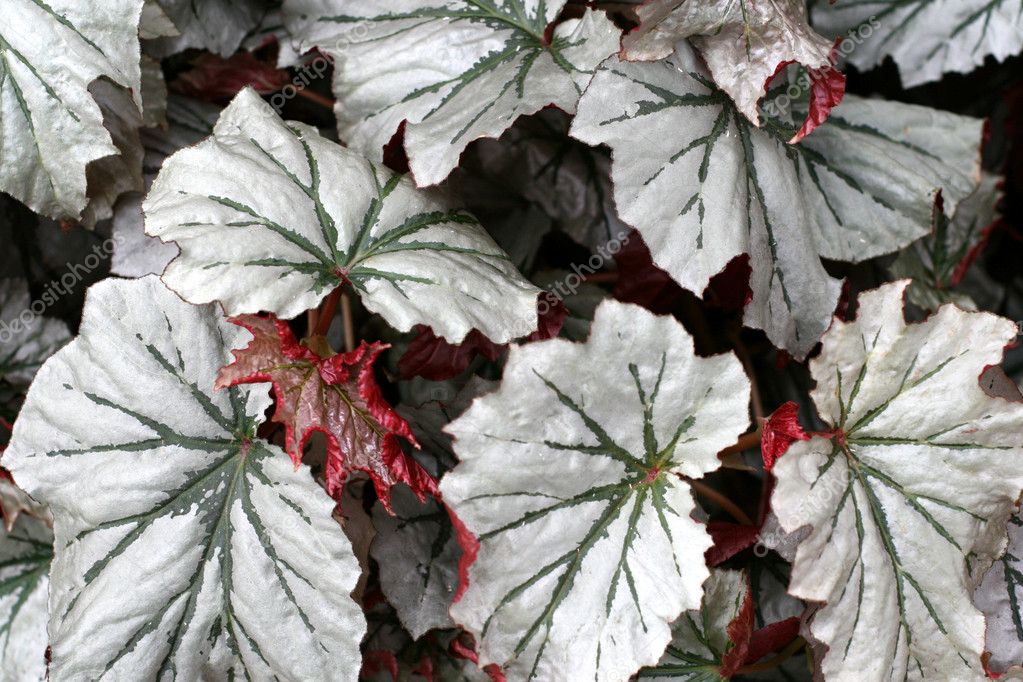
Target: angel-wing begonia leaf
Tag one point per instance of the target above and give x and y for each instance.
(908, 496)
(588, 549)
(27, 339)
(926, 38)
(271, 216)
(743, 43)
(52, 128)
(184, 546)
(862, 185)
(336, 395)
(473, 67)
(215, 25)
(710, 643)
(26, 551)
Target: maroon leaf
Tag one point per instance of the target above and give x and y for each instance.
(431, 357)
(214, 78)
(779, 432)
(770, 638)
(640, 281)
(739, 632)
(729, 540)
(335, 394)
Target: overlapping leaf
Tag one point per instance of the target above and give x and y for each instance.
(26, 551)
(184, 546)
(926, 38)
(570, 477)
(270, 216)
(862, 185)
(52, 128)
(744, 44)
(907, 500)
(27, 338)
(215, 25)
(336, 395)
(456, 70)
(938, 262)
(1000, 596)
(709, 644)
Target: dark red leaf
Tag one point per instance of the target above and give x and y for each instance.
(335, 394)
(378, 661)
(770, 638)
(779, 432)
(730, 289)
(214, 78)
(739, 632)
(729, 540)
(431, 357)
(640, 281)
(470, 548)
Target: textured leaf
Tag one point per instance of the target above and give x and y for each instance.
(215, 25)
(52, 128)
(135, 253)
(910, 494)
(184, 547)
(926, 38)
(745, 44)
(336, 395)
(154, 22)
(418, 554)
(25, 555)
(1000, 596)
(262, 235)
(780, 430)
(476, 66)
(26, 338)
(570, 476)
(862, 185)
(535, 160)
(14, 502)
(710, 643)
(938, 261)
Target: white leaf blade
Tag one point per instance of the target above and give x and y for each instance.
(476, 67)
(726, 188)
(564, 509)
(52, 126)
(265, 237)
(926, 477)
(744, 45)
(926, 39)
(215, 25)
(222, 523)
(25, 554)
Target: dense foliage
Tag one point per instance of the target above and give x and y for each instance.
(440, 340)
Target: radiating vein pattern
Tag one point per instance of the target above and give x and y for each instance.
(896, 491)
(25, 555)
(585, 529)
(298, 215)
(492, 61)
(926, 38)
(722, 187)
(202, 539)
(51, 128)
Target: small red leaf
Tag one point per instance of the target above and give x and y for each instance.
(433, 358)
(729, 540)
(379, 661)
(779, 432)
(470, 548)
(336, 395)
(770, 638)
(214, 78)
(739, 632)
(827, 88)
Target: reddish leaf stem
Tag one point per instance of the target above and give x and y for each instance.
(720, 500)
(325, 315)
